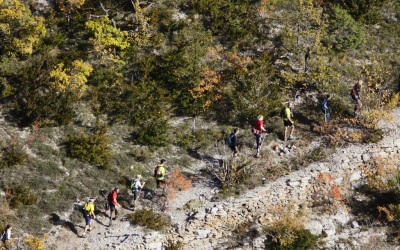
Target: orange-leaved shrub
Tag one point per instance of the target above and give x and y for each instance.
(177, 182)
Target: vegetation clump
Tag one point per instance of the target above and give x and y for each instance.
(92, 148)
(288, 234)
(150, 219)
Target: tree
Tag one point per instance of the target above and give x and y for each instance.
(106, 40)
(345, 32)
(20, 31)
(67, 6)
(183, 66)
(71, 80)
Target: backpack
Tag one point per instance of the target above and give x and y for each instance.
(324, 105)
(353, 94)
(109, 196)
(229, 140)
(84, 211)
(282, 114)
(3, 235)
(133, 184)
(156, 171)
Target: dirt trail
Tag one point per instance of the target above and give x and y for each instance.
(123, 235)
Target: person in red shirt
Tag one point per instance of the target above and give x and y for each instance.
(112, 201)
(258, 130)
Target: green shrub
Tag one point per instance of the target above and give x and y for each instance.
(141, 154)
(174, 245)
(366, 11)
(14, 155)
(150, 219)
(288, 237)
(346, 33)
(192, 205)
(153, 133)
(92, 148)
(21, 195)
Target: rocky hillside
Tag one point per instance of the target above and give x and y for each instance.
(93, 93)
(326, 197)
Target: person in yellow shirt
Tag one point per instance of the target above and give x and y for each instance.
(288, 121)
(160, 175)
(88, 213)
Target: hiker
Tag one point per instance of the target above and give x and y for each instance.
(356, 96)
(6, 234)
(306, 59)
(136, 187)
(88, 213)
(159, 173)
(258, 129)
(112, 200)
(326, 107)
(288, 121)
(233, 142)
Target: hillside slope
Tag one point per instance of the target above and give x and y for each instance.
(305, 194)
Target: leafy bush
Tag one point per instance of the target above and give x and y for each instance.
(21, 195)
(367, 11)
(192, 205)
(142, 154)
(289, 234)
(150, 219)
(175, 245)
(346, 33)
(153, 133)
(28, 242)
(92, 148)
(13, 155)
(230, 173)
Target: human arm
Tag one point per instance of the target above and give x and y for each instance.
(263, 129)
(140, 185)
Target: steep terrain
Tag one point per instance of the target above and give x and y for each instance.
(318, 195)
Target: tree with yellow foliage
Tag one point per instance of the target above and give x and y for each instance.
(106, 40)
(71, 80)
(20, 31)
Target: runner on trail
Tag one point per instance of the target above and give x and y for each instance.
(88, 213)
(288, 121)
(258, 130)
(112, 200)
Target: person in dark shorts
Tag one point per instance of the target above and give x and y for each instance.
(160, 174)
(112, 201)
(288, 121)
(234, 142)
(88, 214)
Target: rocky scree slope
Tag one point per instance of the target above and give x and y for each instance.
(315, 195)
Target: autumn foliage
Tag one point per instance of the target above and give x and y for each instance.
(177, 182)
